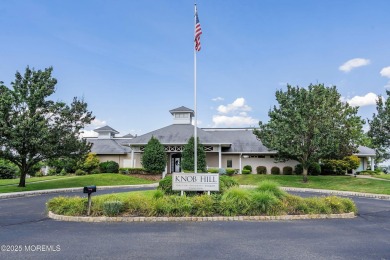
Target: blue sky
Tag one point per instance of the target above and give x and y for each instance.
(132, 61)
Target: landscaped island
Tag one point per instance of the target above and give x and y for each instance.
(265, 200)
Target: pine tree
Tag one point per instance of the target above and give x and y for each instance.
(154, 158)
(187, 162)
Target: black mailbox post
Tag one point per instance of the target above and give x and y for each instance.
(89, 190)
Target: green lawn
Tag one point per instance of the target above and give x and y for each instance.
(343, 183)
(4, 182)
(382, 176)
(105, 179)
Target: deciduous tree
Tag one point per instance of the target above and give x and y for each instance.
(34, 128)
(311, 124)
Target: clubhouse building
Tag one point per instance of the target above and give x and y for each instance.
(224, 147)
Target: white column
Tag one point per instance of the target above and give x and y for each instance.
(220, 156)
(240, 171)
(372, 163)
(132, 158)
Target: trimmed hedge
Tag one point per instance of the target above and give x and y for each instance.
(109, 167)
(261, 170)
(248, 167)
(245, 171)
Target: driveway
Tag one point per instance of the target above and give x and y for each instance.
(25, 227)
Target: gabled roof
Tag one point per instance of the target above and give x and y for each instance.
(106, 129)
(365, 151)
(128, 136)
(181, 109)
(178, 134)
(108, 146)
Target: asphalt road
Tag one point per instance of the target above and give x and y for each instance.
(26, 233)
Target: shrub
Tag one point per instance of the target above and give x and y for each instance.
(295, 205)
(287, 170)
(230, 171)
(203, 206)
(69, 206)
(271, 187)
(298, 170)
(245, 171)
(261, 170)
(132, 171)
(96, 171)
(226, 182)
(179, 206)
(39, 174)
(187, 159)
(63, 172)
(248, 167)
(7, 170)
(222, 171)
(109, 167)
(112, 208)
(275, 170)
(90, 163)
(80, 172)
(314, 169)
(264, 202)
(154, 158)
(166, 186)
(213, 170)
(235, 201)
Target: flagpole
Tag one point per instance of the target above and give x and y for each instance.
(195, 109)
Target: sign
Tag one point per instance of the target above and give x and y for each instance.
(195, 181)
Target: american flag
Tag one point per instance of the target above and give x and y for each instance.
(198, 31)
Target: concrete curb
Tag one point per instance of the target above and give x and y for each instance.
(40, 192)
(200, 219)
(332, 192)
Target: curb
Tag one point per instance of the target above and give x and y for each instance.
(40, 192)
(199, 219)
(333, 192)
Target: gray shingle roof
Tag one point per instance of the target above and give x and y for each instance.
(108, 146)
(128, 136)
(178, 134)
(106, 129)
(363, 150)
(182, 109)
(243, 141)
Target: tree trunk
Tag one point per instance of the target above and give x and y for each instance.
(22, 182)
(23, 173)
(305, 170)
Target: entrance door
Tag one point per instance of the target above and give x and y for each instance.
(176, 163)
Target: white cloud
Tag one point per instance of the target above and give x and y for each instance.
(98, 123)
(88, 133)
(234, 115)
(218, 99)
(233, 121)
(367, 100)
(354, 63)
(385, 72)
(237, 105)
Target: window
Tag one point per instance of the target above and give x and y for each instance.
(229, 163)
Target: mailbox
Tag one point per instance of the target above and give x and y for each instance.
(89, 189)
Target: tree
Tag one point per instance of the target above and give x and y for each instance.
(34, 128)
(311, 124)
(188, 155)
(380, 128)
(154, 159)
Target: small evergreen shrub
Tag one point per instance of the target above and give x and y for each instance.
(213, 170)
(63, 172)
(109, 167)
(112, 208)
(245, 171)
(314, 169)
(261, 170)
(287, 170)
(80, 172)
(222, 171)
(248, 167)
(275, 170)
(230, 171)
(166, 186)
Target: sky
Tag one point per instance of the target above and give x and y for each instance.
(132, 61)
